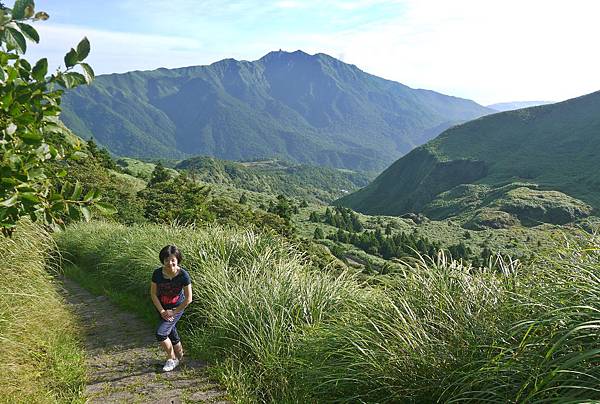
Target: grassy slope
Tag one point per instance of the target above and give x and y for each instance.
(40, 352)
(552, 145)
(279, 331)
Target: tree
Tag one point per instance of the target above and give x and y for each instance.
(328, 217)
(159, 174)
(318, 235)
(31, 135)
(101, 155)
(243, 199)
(283, 208)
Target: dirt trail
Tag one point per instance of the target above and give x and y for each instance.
(123, 361)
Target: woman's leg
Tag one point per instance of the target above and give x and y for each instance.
(176, 342)
(162, 336)
(167, 346)
(178, 350)
(164, 333)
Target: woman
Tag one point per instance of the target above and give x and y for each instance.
(171, 292)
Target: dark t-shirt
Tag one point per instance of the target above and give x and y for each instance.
(170, 291)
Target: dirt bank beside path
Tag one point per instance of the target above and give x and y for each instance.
(123, 362)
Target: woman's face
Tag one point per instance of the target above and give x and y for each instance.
(171, 263)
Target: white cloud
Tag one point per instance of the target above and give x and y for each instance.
(490, 51)
(289, 4)
(359, 4)
(113, 52)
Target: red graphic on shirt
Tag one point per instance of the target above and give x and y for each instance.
(168, 293)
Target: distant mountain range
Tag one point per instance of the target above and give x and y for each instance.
(510, 106)
(539, 164)
(303, 108)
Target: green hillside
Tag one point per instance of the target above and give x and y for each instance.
(537, 164)
(304, 108)
(314, 184)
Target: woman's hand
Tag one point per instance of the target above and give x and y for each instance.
(167, 315)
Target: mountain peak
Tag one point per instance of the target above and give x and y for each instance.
(281, 53)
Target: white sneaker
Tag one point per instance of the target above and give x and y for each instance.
(170, 365)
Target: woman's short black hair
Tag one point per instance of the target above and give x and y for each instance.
(170, 250)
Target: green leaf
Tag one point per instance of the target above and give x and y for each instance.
(29, 32)
(106, 208)
(74, 212)
(88, 72)
(10, 201)
(15, 40)
(73, 79)
(78, 155)
(40, 69)
(59, 206)
(2, 74)
(76, 192)
(66, 189)
(29, 10)
(35, 173)
(53, 151)
(9, 181)
(89, 196)
(30, 197)
(41, 15)
(31, 137)
(18, 10)
(71, 58)
(83, 49)
(87, 215)
(25, 65)
(55, 196)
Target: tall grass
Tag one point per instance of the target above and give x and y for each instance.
(41, 359)
(280, 331)
(552, 352)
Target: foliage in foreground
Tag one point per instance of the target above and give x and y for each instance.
(280, 331)
(31, 135)
(40, 355)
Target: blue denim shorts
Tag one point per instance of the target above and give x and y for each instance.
(168, 329)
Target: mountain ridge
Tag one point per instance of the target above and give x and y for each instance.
(304, 108)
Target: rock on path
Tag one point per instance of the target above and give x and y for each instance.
(124, 364)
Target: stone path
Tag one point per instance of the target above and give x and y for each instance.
(124, 364)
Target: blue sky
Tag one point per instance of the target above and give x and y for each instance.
(485, 50)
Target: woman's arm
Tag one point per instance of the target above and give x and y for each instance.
(154, 297)
(187, 291)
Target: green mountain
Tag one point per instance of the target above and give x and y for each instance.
(531, 165)
(304, 108)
